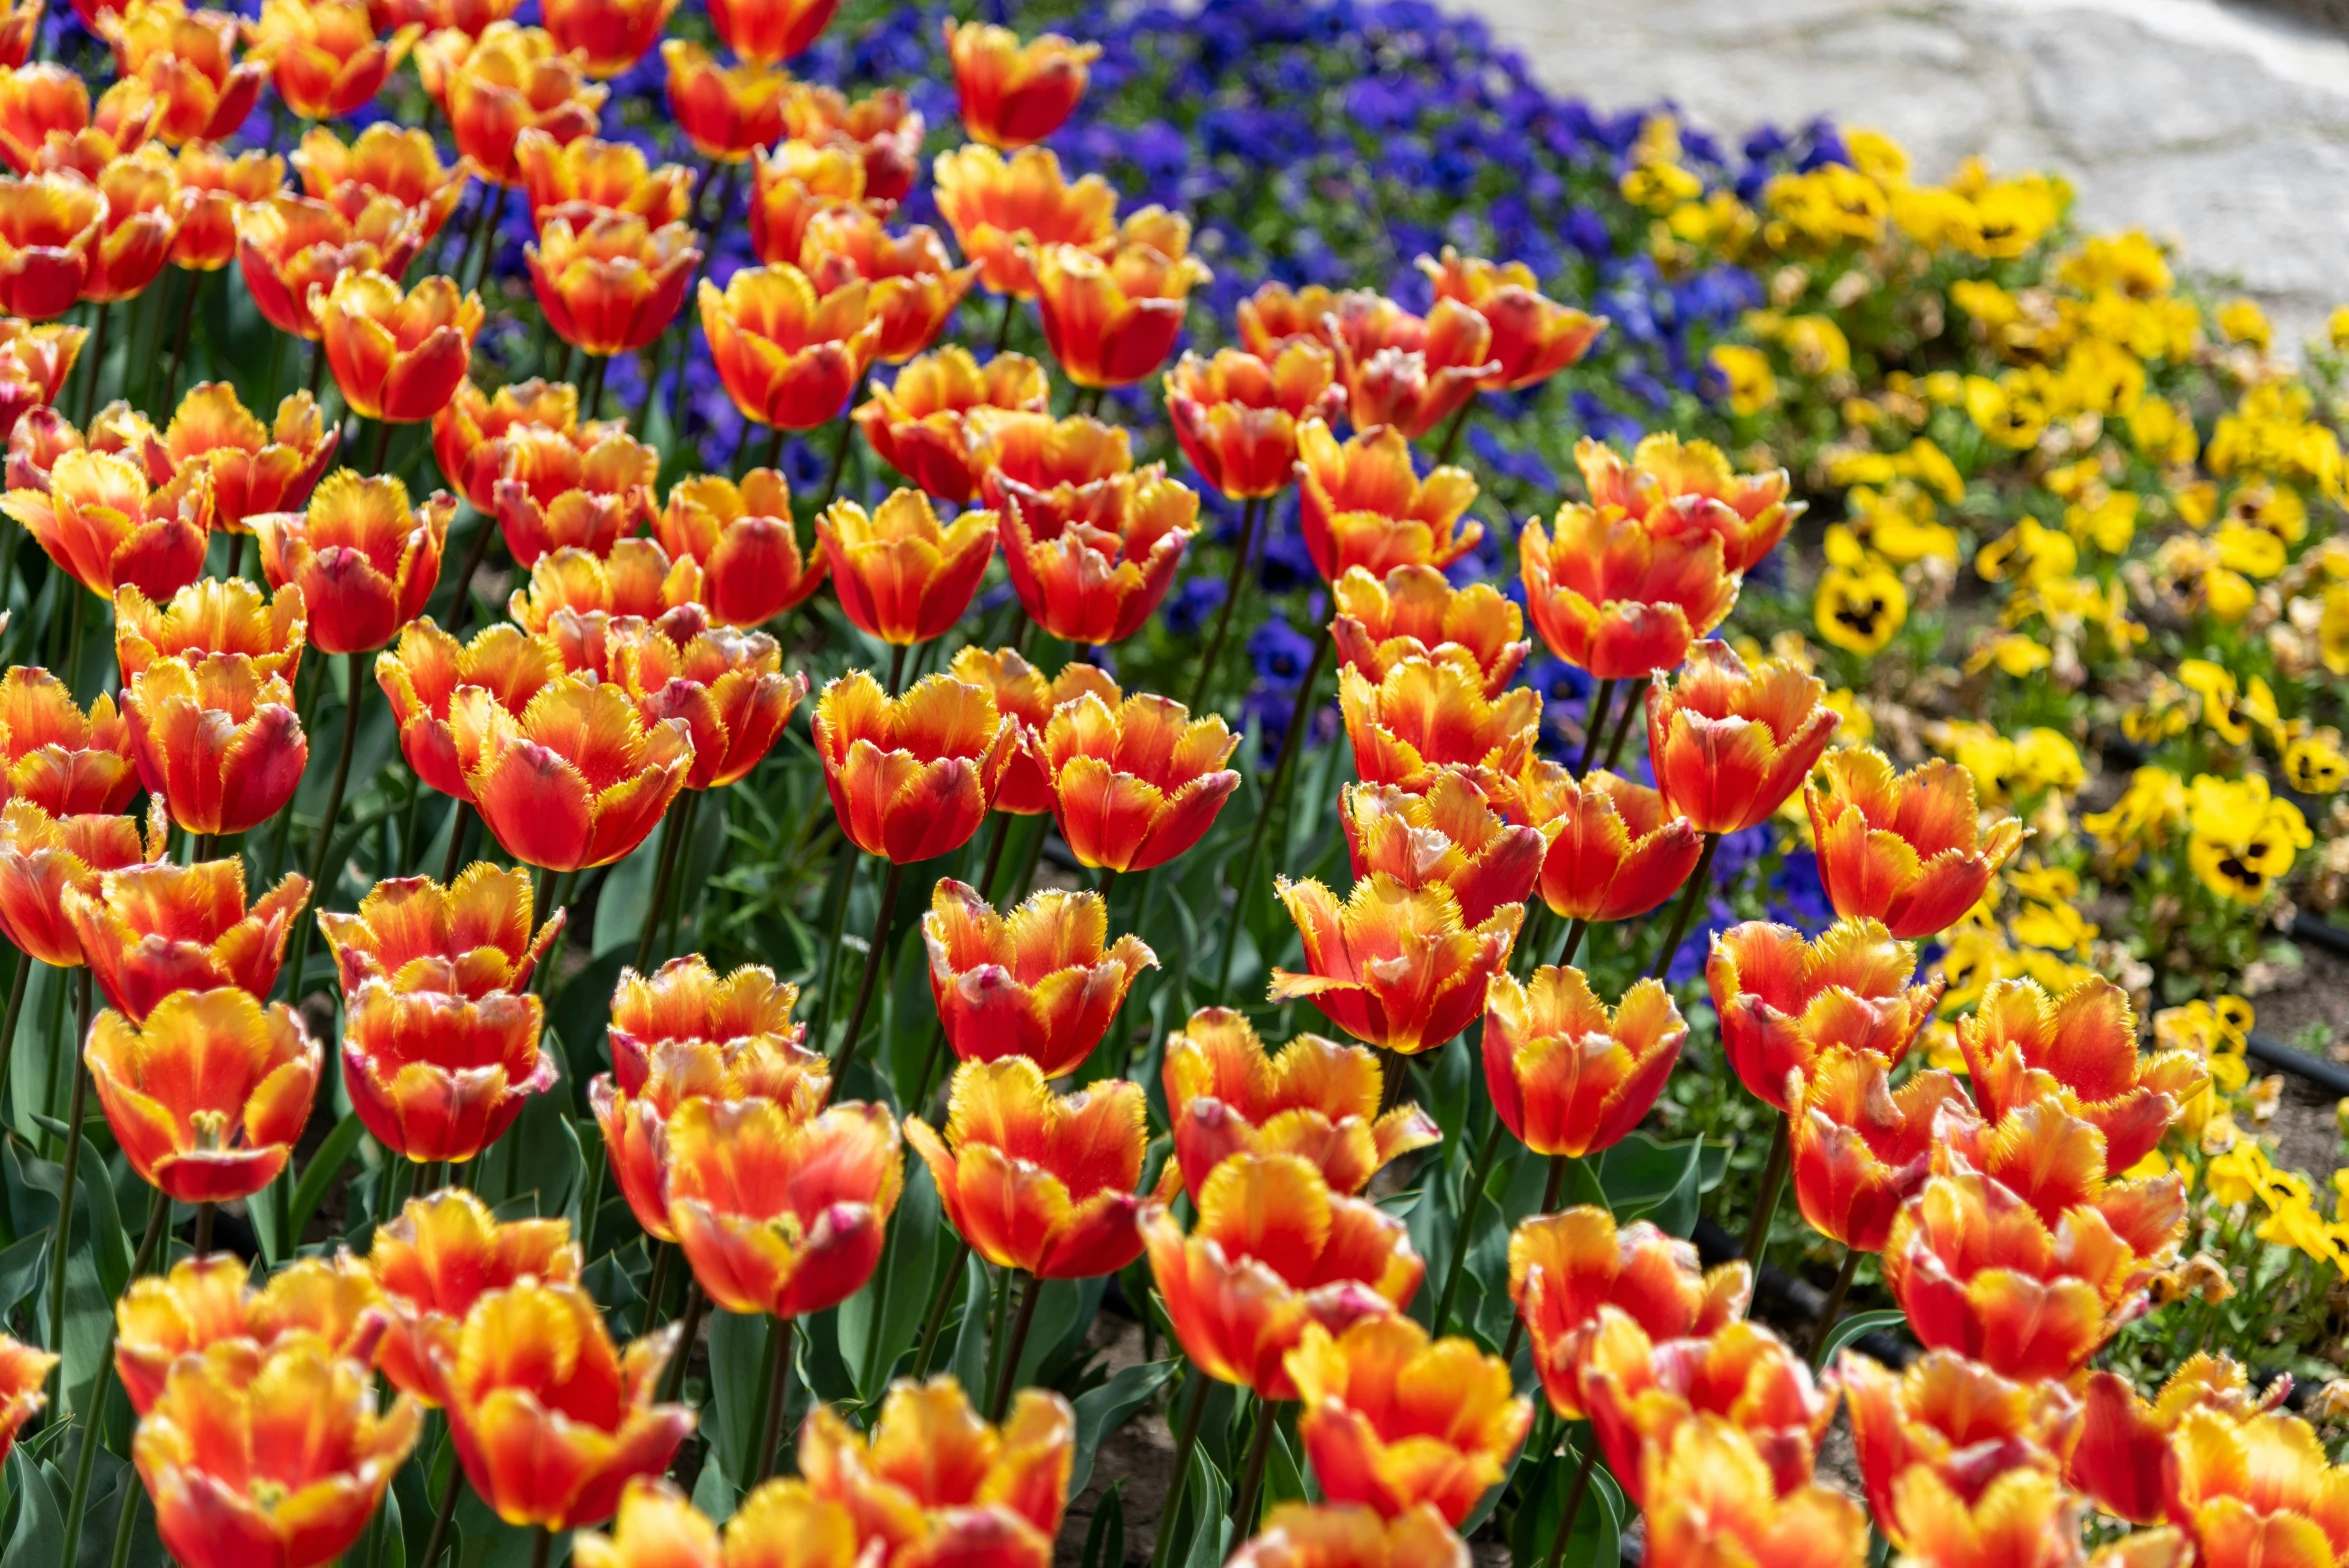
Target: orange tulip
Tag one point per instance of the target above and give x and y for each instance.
(1612, 851)
(1226, 1095)
(290, 246)
(1908, 850)
(364, 561)
(1015, 93)
(188, 59)
(207, 1095)
(437, 1076)
(43, 435)
(1448, 836)
(216, 742)
(742, 538)
(1302, 1535)
(222, 184)
(439, 1255)
(2256, 1491)
(1274, 1250)
(2121, 1455)
(1533, 337)
(1361, 504)
(1423, 717)
(728, 686)
(275, 1458)
(903, 576)
(1413, 613)
(727, 112)
(43, 856)
(49, 225)
(561, 493)
(1136, 785)
(1042, 983)
(685, 1002)
(1569, 1077)
(35, 359)
(1236, 415)
(255, 468)
(1097, 583)
(1408, 372)
(550, 1418)
(1023, 694)
(2055, 1162)
(770, 30)
(882, 128)
(579, 180)
(144, 210)
(163, 1319)
(2024, 1518)
(1678, 487)
(1394, 967)
(2080, 1048)
(788, 357)
(1610, 598)
(24, 1385)
(916, 285)
(1111, 321)
(577, 779)
(100, 520)
(1861, 1148)
(325, 56)
(1730, 745)
(509, 80)
(524, 427)
(383, 161)
(1037, 1181)
(790, 186)
(1004, 211)
(1395, 1420)
(1955, 1419)
(151, 930)
(1713, 1499)
(20, 23)
(1783, 1001)
(1058, 472)
(780, 1214)
(781, 1522)
(571, 594)
(910, 777)
(57, 758)
(614, 284)
(470, 938)
(921, 426)
(1564, 1267)
(397, 357)
(423, 674)
(46, 123)
(608, 38)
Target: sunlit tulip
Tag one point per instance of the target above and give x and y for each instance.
(325, 56)
(915, 284)
(787, 356)
(1097, 582)
(1407, 372)
(101, 522)
(613, 284)
(43, 856)
(20, 23)
(742, 537)
(1712, 1498)
(162, 1319)
(576, 780)
(207, 238)
(1043, 982)
(207, 1096)
(1135, 785)
(780, 1214)
(269, 1458)
(1414, 613)
(67, 763)
(255, 467)
(901, 574)
(1111, 321)
(1782, 1000)
(397, 357)
(1038, 1181)
(35, 360)
(1422, 717)
(1058, 472)
(1533, 337)
(1906, 849)
(2256, 1491)
(1236, 415)
(2022, 1518)
(513, 79)
(1689, 487)
(791, 185)
(1394, 1420)
(728, 686)
(561, 494)
(49, 224)
(687, 1002)
(781, 1521)
(1272, 1251)
(150, 930)
(1564, 1267)
(1015, 93)
(1005, 210)
(479, 439)
(579, 179)
(144, 209)
(882, 128)
(2080, 1049)
(549, 1417)
(216, 742)
(608, 36)
(469, 938)
(1961, 1421)
(1612, 599)
(47, 123)
(920, 425)
(1303, 1535)
(1394, 967)
(1731, 745)
(1023, 694)
(290, 246)
(1638, 1390)
(43, 435)
(570, 588)
(1447, 836)
(1613, 850)
(770, 30)
(910, 777)
(728, 112)
(437, 1076)
(1861, 1148)
(1567, 1075)
(2121, 1458)
(188, 59)
(365, 562)
(422, 674)
(1362, 504)
(384, 160)
(2055, 1162)
(436, 1257)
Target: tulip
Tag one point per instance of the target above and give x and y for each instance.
(903, 576)
(1714, 1499)
(255, 468)
(910, 777)
(1569, 1077)
(790, 187)
(882, 128)
(2121, 1456)
(35, 360)
(324, 54)
(727, 112)
(104, 525)
(163, 1319)
(1413, 613)
(438, 1256)
(289, 246)
(1025, 696)
(2055, 1162)
(525, 426)
(1407, 373)
(2255, 1491)
(1098, 584)
(1446, 837)
(222, 184)
(770, 30)
(43, 856)
(151, 930)
(397, 357)
(778, 1214)
(207, 1094)
(563, 494)
(49, 225)
(24, 1387)
(915, 284)
(1037, 1181)
(1058, 472)
(1861, 1148)
(365, 563)
(549, 1417)
(582, 179)
(1316, 1098)
(58, 759)
(615, 283)
(608, 38)
(1015, 94)
(1043, 983)
(780, 1522)
(1302, 1535)
(1731, 745)
(1004, 211)
(43, 436)
(384, 160)
(741, 536)
(788, 357)
(1612, 852)
(687, 1003)
(188, 59)
(470, 938)
(1362, 505)
(1954, 1419)
(2023, 1517)
(1533, 337)
(1236, 416)
(1394, 967)
(728, 687)
(424, 672)
(1564, 1267)
(1689, 487)
(216, 742)
(2021, 1045)
(1422, 717)
(1135, 785)
(19, 24)
(1783, 1001)
(1616, 601)
(439, 1076)
(509, 80)
(577, 779)
(920, 424)
(570, 590)
(1908, 850)
(1394, 1419)
(1274, 1250)
(46, 124)
(144, 210)
(1111, 321)
(278, 1458)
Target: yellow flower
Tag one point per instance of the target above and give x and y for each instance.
(2332, 630)
(2230, 711)
(2251, 550)
(2059, 928)
(2161, 432)
(1860, 607)
(2153, 804)
(2236, 1176)
(1826, 207)
(2128, 263)
(2109, 524)
(2277, 508)
(2006, 411)
(2243, 837)
(2168, 711)
(2047, 759)
(1986, 302)
(2244, 322)
(2029, 552)
(1660, 185)
(1746, 371)
(2314, 764)
(2013, 653)
(2294, 1223)
(1882, 159)
(1858, 726)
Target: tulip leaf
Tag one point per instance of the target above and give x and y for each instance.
(1101, 1411)
(324, 1167)
(1595, 1541)
(1105, 1537)
(879, 1323)
(624, 902)
(1208, 1502)
(1857, 1326)
(21, 1272)
(1284, 1475)
(738, 1380)
(1643, 1177)
(39, 1539)
(970, 1343)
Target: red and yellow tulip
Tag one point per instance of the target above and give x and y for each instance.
(1955, 1419)
(921, 423)
(1236, 415)
(613, 283)
(255, 468)
(438, 1256)
(325, 56)
(910, 777)
(1448, 836)
(1362, 504)
(728, 112)
(1907, 849)
(67, 762)
(109, 524)
(578, 779)
(163, 1319)
(1414, 613)
(287, 246)
(1730, 744)
(1043, 982)
(49, 224)
(1394, 967)
(423, 673)
(217, 742)
(1015, 93)
(440, 1076)
(1423, 717)
(1714, 1497)
(1307, 1535)
(151, 930)
(208, 1094)
(741, 536)
(1615, 600)
(1098, 581)
(1862, 1148)
(2079, 1049)
(383, 162)
(788, 356)
(1005, 210)
(1568, 1075)
(468, 939)
(1112, 320)
(397, 356)
(1613, 851)
(901, 574)
(1678, 487)
(509, 80)
(1782, 1000)
(564, 494)
(915, 283)
(364, 559)
(1137, 784)
(579, 179)
(43, 856)
(1532, 337)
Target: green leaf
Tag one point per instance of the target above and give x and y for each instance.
(1208, 1501)
(1856, 1325)
(20, 1272)
(879, 1323)
(1103, 1410)
(324, 1167)
(738, 1347)
(1105, 1538)
(39, 1540)
(1595, 1541)
(970, 1343)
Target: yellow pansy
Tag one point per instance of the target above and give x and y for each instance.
(2314, 764)
(2243, 321)
(1746, 371)
(2153, 804)
(2244, 838)
(2161, 432)
(2332, 630)
(2012, 653)
(2129, 263)
(2109, 523)
(2026, 553)
(1860, 607)
(2250, 550)
(2005, 411)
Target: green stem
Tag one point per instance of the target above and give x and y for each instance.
(1006, 1379)
(1477, 1175)
(1594, 724)
(934, 1321)
(1634, 700)
(61, 1238)
(542, 1549)
(897, 669)
(1011, 305)
(997, 837)
(203, 1240)
(1452, 432)
(454, 861)
(1186, 1440)
(93, 1424)
(670, 838)
(1550, 1190)
(1292, 742)
(875, 956)
(696, 1304)
(97, 362)
(778, 1396)
(1574, 934)
(1244, 1504)
(355, 691)
(16, 993)
(1834, 1308)
(839, 461)
(1234, 580)
(1757, 1237)
(1689, 898)
(1574, 1496)
(383, 432)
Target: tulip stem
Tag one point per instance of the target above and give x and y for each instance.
(1009, 1377)
(317, 371)
(1186, 1442)
(16, 994)
(688, 1327)
(1550, 1190)
(1574, 1497)
(1251, 1493)
(462, 610)
(61, 1238)
(97, 361)
(921, 1094)
(1594, 723)
(1689, 895)
(1292, 742)
(1451, 442)
(1466, 1225)
(676, 913)
(203, 1240)
(1574, 933)
(897, 669)
(492, 213)
(354, 692)
(1011, 305)
(542, 1550)
(443, 1515)
(839, 459)
(934, 1321)
(179, 342)
(1834, 1308)
(1634, 698)
(158, 1219)
(875, 956)
(1233, 581)
(591, 398)
(1757, 1238)
(236, 553)
(672, 833)
(778, 1395)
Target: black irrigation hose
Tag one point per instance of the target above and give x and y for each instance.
(2323, 933)
(1797, 1297)
(2327, 1074)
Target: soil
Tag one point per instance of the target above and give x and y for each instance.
(2306, 1134)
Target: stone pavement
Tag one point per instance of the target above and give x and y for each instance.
(2222, 129)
